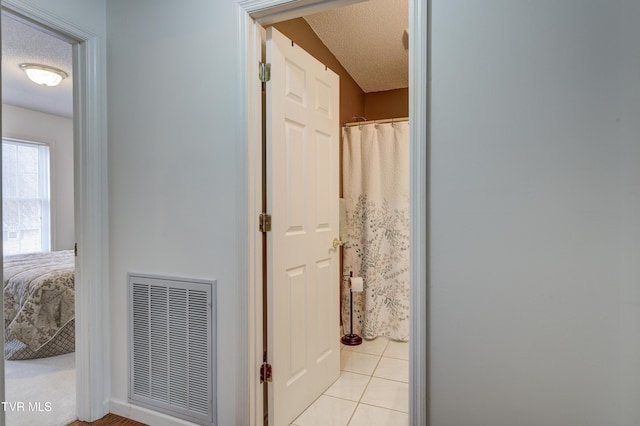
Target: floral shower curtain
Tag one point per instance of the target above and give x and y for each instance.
(376, 192)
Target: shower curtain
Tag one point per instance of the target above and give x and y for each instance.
(376, 192)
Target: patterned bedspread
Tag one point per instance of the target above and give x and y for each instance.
(38, 295)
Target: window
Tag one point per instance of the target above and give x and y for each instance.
(26, 226)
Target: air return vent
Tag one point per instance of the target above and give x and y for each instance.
(171, 346)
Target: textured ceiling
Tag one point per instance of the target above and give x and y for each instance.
(367, 40)
(22, 43)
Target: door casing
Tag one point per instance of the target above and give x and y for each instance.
(90, 209)
(250, 14)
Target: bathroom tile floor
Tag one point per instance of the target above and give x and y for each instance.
(372, 390)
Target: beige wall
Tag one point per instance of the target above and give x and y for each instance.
(353, 101)
(351, 96)
(388, 104)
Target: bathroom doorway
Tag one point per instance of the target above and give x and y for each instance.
(377, 348)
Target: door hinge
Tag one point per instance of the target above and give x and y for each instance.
(265, 370)
(266, 373)
(264, 72)
(265, 222)
(75, 249)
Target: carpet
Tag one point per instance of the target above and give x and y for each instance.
(40, 391)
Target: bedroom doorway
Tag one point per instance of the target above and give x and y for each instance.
(38, 225)
(90, 209)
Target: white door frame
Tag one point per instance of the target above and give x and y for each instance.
(249, 177)
(91, 209)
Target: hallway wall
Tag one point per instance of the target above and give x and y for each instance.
(174, 162)
(535, 302)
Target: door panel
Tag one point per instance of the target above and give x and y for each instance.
(303, 276)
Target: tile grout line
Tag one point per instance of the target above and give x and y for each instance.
(384, 408)
(393, 380)
(362, 394)
(390, 380)
(368, 382)
(370, 378)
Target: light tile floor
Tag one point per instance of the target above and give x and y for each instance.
(372, 390)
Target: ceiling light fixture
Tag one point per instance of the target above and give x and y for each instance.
(43, 74)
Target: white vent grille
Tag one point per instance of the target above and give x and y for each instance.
(171, 346)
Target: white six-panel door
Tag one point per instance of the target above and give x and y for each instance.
(303, 277)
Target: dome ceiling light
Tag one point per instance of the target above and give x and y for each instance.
(43, 75)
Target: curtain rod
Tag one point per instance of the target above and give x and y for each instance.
(388, 120)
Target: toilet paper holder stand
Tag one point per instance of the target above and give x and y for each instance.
(350, 339)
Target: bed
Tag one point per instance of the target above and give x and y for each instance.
(39, 311)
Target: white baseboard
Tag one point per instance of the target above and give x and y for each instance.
(144, 415)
